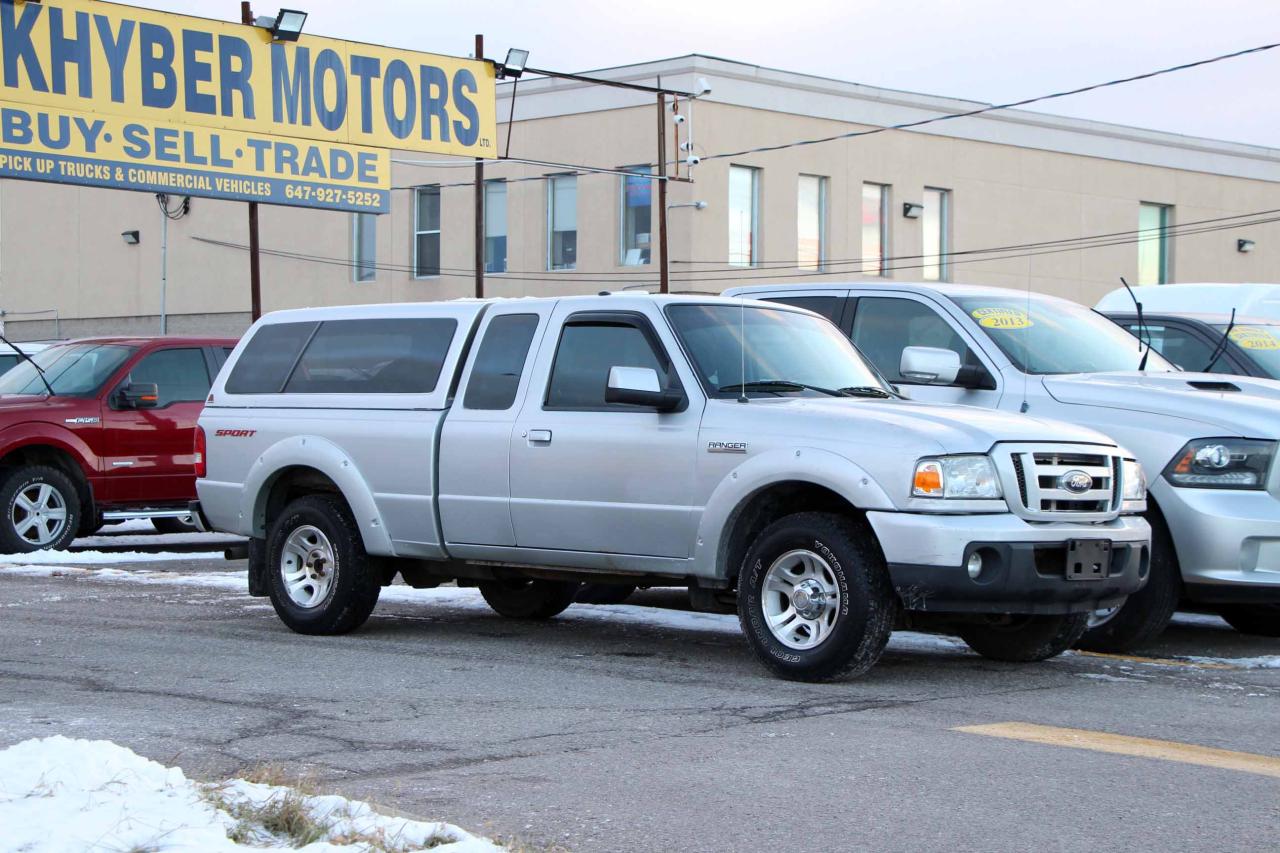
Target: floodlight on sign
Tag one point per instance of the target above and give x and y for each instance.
(517, 59)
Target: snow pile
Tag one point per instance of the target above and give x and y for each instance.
(60, 794)
(79, 558)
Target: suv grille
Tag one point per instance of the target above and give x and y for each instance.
(1056, 484)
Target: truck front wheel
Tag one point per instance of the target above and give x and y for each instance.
(814, 597)
(41, 510)
(1261, 620)
(1145, 614)
(522, 598)
(319, 577)
(1024, 639)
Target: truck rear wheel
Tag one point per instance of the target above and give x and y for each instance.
(41, 510)
(1024, 639)
(814, 597)
(1145, 614)
(1261, 620)
(523, 598)
(319, 577)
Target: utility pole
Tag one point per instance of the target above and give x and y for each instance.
(255, 274)
(164, 260)
(479, 254)
(663, 283)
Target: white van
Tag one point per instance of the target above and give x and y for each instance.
(1253, 300)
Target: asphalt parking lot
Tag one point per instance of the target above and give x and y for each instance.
(641, 728)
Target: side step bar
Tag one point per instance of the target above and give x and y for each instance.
(126, 514)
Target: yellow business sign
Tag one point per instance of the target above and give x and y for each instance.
(107, 95)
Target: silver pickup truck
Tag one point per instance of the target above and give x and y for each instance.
(742, 449)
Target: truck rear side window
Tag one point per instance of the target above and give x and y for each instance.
(495, 376)
(377, 356)
(264, 366)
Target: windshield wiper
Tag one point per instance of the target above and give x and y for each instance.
(38, 368)
(1222, 344)
(778, 386)
(866, 391)
(1143, 334)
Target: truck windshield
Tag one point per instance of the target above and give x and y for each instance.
(1048, 336)
(775, 350)
(73, 370)
(1258, 343)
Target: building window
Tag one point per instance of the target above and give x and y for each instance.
(364, 247)
(744, 215)
(1153, 242)
(426, 232)
(875, 228)
(637, 216)
(495, 226)
(811, 222)
(936, 222)
(562, 222)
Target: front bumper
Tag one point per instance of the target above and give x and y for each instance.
(1228, 542)
(1024, 563)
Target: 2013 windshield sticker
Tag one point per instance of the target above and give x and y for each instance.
(1002, 318)
(1255, 337)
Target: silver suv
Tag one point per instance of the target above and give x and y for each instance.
(743, 450)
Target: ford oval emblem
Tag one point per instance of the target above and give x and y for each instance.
(1076, 482)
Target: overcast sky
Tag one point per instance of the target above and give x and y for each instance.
(987, 50)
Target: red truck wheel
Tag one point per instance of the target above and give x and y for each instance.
(41, 510)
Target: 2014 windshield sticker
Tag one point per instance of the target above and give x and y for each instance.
(1002, 318)
(1255, 337)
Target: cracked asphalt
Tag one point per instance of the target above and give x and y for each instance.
(592, 735)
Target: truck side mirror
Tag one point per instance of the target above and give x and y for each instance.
(139, 395)
(640, 386)
(930, 365)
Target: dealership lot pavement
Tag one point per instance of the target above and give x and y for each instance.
(640, 728)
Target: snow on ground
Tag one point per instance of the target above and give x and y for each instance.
(60, 794)
(1201, 620)
(80, 558)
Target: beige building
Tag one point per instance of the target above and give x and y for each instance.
(905, 205)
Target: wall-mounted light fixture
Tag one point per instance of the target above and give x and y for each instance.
(285, 26)
(1243, 245)
(696, 205)
(912, 210)
(132, 238)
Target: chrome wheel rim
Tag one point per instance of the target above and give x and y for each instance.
(39, 514)
(307, 566)
(1101, 616)
(800, 599)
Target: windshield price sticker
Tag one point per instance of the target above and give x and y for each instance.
(1255, 337)
(1002, 318)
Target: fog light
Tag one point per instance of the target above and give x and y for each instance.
(974, 565)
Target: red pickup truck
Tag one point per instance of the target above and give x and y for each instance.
(103, 430)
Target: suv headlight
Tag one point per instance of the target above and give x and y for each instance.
(1133, 480)
(1222, 463)
(960, 477)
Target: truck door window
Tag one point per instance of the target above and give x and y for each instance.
(377, 356)
(264, 365)
(586, 352)
(1181, 346)
(827, 306)
(180, 375)
(884, 326)
(495, 376)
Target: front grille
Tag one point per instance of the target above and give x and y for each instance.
(1057, 483)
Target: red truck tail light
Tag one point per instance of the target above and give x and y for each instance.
(201, 467)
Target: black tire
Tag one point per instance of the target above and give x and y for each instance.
(174, 525)
(90, 524)
(26, 482)
(354, 582)
(1260, 620)
(855, 565)
(1024, 639)
(522, 598)
(604, 593)
(1146, 613)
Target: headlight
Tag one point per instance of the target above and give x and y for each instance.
(961, 477)
(1222, 463)
(1134, 481)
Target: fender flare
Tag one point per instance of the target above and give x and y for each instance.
(34, 434)
(803, 464)
(321, 454)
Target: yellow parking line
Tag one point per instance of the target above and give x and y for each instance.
(1139, 747)
(1160, 661)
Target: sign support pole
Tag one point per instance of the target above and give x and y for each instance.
(255, 277)
(664, 285)
(479, 255)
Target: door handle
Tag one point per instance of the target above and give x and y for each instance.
(539, 436)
